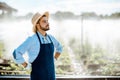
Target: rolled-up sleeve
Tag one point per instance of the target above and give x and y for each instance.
(18, 57)
(18, 53)
(58, 46)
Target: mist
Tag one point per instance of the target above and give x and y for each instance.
(103, 32)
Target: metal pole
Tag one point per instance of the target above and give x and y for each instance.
(82, 35)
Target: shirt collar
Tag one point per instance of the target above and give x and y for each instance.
(42, 35)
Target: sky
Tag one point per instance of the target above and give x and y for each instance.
(76, 6)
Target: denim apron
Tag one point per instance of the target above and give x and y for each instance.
(43, 65)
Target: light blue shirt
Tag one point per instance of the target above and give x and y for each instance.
(32, 46)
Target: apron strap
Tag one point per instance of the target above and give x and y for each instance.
(50, 39)
(38, 37)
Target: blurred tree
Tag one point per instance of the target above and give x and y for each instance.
(1, 48)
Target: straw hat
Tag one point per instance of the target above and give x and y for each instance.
(36, 17)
